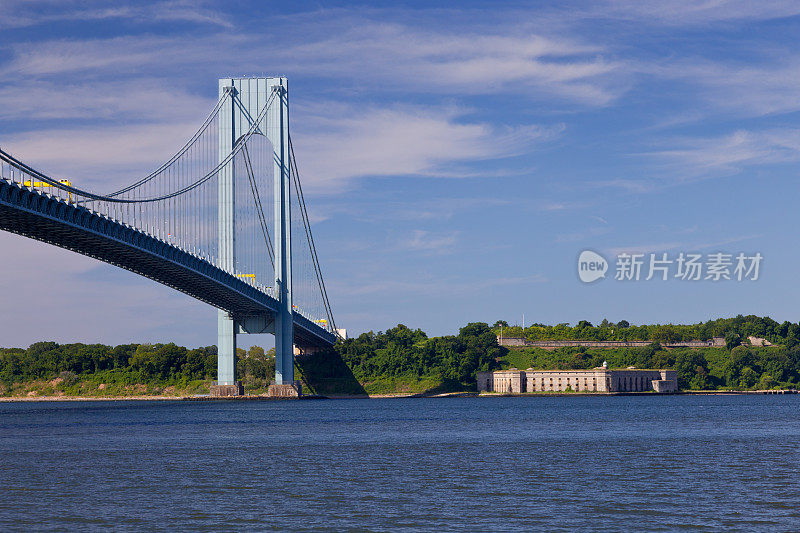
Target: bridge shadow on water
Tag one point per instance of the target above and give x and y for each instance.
(325, 373)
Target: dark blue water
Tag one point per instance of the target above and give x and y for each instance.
(499, 464)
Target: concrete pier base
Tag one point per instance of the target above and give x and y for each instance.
(226, 391)
(285, 390)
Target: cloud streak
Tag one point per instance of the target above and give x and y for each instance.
(505, 59)
(693, 12)
(753, 89)
(26, 14)
(350, 143)
(501, 60)
(140, 100)
(426, 241)
(692, 158)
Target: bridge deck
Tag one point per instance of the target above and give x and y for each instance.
(39, 216)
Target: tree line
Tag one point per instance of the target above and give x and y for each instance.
(786, 333)
(383, 360)
(167, 364)
(399, 352)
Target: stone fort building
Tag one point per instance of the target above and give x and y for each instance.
(595, 380)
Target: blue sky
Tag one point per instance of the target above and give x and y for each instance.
(457, 158)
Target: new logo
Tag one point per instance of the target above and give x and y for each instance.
(591, 266)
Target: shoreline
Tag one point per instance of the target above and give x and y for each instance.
(464, 394)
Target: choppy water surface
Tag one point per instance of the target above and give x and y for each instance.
(499, 464)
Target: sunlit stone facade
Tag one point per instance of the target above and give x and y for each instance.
(594, 380)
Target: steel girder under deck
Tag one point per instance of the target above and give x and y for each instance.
(39, 216)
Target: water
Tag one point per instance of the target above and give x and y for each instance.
(499, 464)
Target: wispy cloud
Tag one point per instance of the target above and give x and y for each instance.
(357, 50)
(426, 241)
(691, 158)
(138, 100)
(126, 56)
(692, 12)
(497, 60)
(768, 86)
(561, 205)
(351, 142)
(636, 186)
(684, 246)
(686, 159)
(26, 13)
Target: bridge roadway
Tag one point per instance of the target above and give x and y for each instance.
(39, 216)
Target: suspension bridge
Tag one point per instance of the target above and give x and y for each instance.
(200, 223)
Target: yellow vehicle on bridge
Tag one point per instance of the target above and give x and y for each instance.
(44, 184)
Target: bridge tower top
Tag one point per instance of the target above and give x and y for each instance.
(251, 95)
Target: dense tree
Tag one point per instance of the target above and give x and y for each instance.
(692, 369)
(739, 359)
(257, 364)
(732, 340)
(130, 362)
(403, 352)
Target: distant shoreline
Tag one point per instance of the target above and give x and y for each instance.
(466, 394)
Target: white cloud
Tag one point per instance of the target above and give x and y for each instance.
(398, 58)
(687, 159)
(563, 205)
(754, 89)
(349, 142)
(131, 100)
(689, 12)
(636, 186)
(422, 240)
(504, 59)
(125, 56)
(698, 157)
(27, 13)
